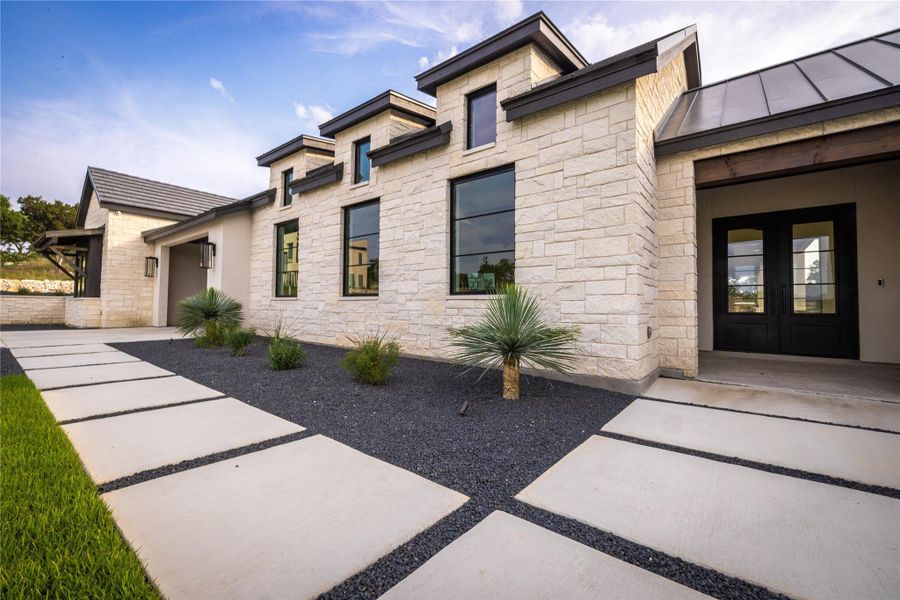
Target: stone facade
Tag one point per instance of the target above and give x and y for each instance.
(586, 212)
(32, 310)
(83, 312)
(38, 286)
(678, 233)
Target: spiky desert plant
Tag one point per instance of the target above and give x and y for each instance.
(207, 315)
(514, 332)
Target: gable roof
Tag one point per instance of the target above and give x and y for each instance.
(636, 62)
(845, 80)
(537, 29)
(301, 142)
(389, 100)
(118, 191)
(248, 203)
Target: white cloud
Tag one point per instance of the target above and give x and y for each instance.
(140, 128)
(220, 87)
(508, 11)
(312, 116)
(441, 56)
(739, 37)
(424, 62)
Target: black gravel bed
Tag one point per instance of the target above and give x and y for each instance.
(778, 470)
(40, 327)
(490, 455)
(8, 363)
(117, 484)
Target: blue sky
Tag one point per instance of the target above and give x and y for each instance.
(190, 93)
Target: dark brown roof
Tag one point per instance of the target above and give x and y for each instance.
(537, 29)
(301, 142)
(389, 100)
(841, 81)
(626, 66)
(248, 203)
(118, 191)
(412, 143)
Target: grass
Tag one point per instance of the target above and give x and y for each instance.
(32, 268)
(59, 539)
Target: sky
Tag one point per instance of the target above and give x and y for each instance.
(190, 92)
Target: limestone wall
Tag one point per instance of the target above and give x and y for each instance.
(82, 312)
(584, 226)
(32, 310)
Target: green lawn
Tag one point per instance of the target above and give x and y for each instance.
(58, 538)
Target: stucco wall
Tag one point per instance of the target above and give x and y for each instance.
(678, 299)
(584, 239)
(32, 310)
(874, 189)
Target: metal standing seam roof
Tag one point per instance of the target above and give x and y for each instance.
(118, 190)
(865, 69)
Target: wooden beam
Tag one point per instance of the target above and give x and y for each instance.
(58, 265)
(869, 144)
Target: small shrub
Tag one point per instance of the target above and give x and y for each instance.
(285, 353)
(238, 338)
(371, 359)
(23, 291)
(208, 315)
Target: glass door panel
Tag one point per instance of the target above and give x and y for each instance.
(745, 264)
(813, 274)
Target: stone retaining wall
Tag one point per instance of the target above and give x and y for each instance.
(32, 310)
(83, 312)
(38, 286)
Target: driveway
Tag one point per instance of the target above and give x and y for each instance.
(796, 493)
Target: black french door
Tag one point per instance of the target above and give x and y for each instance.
(785, 282)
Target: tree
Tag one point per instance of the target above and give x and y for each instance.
(42, 215)
(12, 228)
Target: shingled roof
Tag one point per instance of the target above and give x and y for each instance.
(118, 191)
(850, 79)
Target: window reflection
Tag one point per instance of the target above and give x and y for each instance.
(286, 259)
(813, 268)
(746, 270)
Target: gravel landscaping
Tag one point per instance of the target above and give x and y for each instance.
(8, 363)
(491, 454)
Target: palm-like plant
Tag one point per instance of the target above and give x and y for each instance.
(207, 315)
(513, 332)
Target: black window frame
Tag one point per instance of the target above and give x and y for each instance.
(278, 250)
(453, 219)
(286, 198)
(345, 269)
(357, 156)
(488, 89)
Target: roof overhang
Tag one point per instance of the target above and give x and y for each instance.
(317, 178)
(69, 237)
(412, 143)
(624, 67)
(301, 142)
(249, 203)
(817, 113)
(389, 100)
(537, 29)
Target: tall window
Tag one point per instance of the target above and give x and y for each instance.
(483, 232)
(286, 178)
(361, 236)
(481, 117)
(361, 160)
(286, 259)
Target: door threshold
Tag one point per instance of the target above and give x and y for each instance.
(789, 357)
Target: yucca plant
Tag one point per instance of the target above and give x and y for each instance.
(208, 315)
(514, 332)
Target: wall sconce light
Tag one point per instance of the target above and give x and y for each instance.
(207, 255)
(150, 264)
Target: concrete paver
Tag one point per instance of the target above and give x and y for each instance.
(58, 350)
(66, 337)
(75, 360)
(290, 521)
(507, 557)
(105, 398)
(45, 379)
(114, 447)
(799, 405)
(853, 454)
(803, 538)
